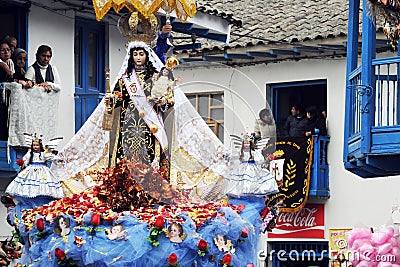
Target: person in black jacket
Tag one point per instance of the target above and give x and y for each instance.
(315, 121)
(296, 123)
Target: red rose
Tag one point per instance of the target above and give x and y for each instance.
(227, 259)
(172, 259)
(245, 231)
(240, 207)
(202, 245)
(40, 225)
(244, 234)
(159, 223)
(271, 156)
(20, 161)
(95, 220)
(59, 253)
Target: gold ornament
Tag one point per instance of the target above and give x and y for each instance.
(142, 113)
(171, 62)
(153, 128)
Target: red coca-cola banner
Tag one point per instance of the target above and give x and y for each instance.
(309, 222)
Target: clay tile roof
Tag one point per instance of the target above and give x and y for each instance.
(263, 21)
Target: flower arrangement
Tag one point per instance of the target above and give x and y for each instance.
(173, 260)
(40, 227)
(226, 260)
(62, 259)
(202, 248)
(94, 222)
(156, 230)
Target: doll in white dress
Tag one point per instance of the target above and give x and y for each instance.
(248, 177)
(36, 179)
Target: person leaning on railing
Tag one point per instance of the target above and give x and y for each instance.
(19, 59)
(41, 73)
(6, 64)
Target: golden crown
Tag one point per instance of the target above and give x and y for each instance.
(135, 27)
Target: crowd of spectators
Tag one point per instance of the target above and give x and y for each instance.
(13, 68)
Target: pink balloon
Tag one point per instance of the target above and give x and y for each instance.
(367, 250)
(384, 248)
(385, 264)
(360, 242)
(367, 264)
(395, 241)
(358, 233)
(395, 251)
(382, 236)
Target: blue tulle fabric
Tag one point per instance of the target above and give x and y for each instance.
(94, 248)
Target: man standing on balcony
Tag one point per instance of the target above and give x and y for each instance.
(296, 123)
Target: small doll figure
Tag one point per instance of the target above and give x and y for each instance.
(175, 233)
(116, 232)
(223, 244)
(162, 84)
(248, 177)
(62, 226)
(36, 179)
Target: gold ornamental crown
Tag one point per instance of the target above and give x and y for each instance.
(135, 27)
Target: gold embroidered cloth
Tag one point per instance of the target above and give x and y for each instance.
(182, 8)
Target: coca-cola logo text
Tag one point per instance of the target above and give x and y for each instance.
(303, 218)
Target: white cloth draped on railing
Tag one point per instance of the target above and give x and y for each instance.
(31, 111)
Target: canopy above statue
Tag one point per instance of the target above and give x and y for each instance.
(182, 8)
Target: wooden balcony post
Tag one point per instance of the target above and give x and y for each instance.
(368, 53)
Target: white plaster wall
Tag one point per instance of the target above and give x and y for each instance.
(354, 200)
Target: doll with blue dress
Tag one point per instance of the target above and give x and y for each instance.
(36, 179)
(248, 176)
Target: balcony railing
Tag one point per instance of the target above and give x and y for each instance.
(319, 177)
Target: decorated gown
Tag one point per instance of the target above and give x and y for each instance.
(36, 179)
(248, 178)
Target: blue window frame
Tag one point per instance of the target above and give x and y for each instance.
(89, 68)
(13, 21)
(281, 96)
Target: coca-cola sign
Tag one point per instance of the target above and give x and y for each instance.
(306, 223)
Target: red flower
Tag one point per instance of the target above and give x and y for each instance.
(240, 207)
(271, 157)
(245, 231)
(159, 223)
(40, 225)
(243, 234)
(20, 161)
(226, 260)
(60, 254)
(95, 220)
(172, 259)
(202, 245)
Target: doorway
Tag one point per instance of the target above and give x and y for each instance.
(281, 97)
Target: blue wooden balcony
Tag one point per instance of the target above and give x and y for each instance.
(319, 177)
(372, 107)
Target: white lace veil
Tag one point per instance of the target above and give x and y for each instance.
(198, 157)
